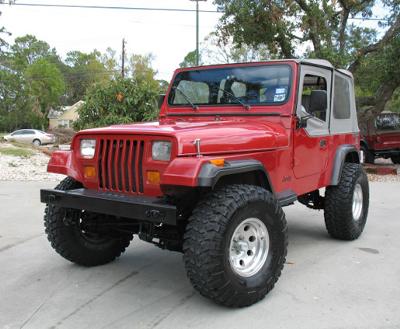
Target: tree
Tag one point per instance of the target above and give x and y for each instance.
(46, 85)
(83, 71)
(28, 49)
(310, 28)
(213, 51)
(190, 60)
(3, 43)
(140, 67)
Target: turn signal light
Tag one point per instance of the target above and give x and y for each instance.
(89, 172)
(153, 177)
(218, 162)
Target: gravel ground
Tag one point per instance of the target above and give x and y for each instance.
(33, 168)
(385, 178)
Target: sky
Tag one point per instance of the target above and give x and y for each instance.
(169, 36)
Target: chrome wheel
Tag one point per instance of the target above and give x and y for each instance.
(249, 247)
(357, 202)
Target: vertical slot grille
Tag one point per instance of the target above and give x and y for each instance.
(120, 165)
(141, 150)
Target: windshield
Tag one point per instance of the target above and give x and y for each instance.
(246, 85)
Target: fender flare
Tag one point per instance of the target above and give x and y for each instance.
(210, 174)
(340, 157)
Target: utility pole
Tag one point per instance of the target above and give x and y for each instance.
(197, 32)
(123, 59)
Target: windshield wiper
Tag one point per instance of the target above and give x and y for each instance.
(246, 106)
(194, 107)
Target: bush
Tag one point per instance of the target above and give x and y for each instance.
(120, 101)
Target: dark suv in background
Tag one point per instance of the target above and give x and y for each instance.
(380, 137)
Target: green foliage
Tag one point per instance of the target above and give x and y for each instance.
(84, 71)
(320, 29)
(27, 49)
(394, 104)
(46, 83)
(30, 82)
(119, 101)
(190, 60)
(33, 79)
(16, 151)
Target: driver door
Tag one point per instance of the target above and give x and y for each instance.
(311, 143)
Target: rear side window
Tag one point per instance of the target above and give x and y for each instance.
(341, 99)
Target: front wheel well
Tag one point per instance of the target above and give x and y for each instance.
(256, 178)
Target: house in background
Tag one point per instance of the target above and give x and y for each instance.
(65, 117)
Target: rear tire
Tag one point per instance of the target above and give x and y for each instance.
(346, 205)
(37, 143)
(395, 159)
(65, 233)
(235, 245)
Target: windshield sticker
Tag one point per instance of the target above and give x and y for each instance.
(280, 91)
(279, 97)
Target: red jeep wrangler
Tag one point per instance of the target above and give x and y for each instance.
(380, 137)
(233, 145)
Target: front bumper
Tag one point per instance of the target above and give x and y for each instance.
(141, 208)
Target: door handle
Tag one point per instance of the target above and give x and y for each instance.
(322, 143)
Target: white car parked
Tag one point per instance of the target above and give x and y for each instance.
(30, 136)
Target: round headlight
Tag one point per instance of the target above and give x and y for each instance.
(161, 151)
(88, 147)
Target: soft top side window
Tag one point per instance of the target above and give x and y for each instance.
(341, 99)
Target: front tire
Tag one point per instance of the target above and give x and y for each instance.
(235, 245)
(66, 233)
(346, 205)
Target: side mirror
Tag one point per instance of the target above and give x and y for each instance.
(302, 121)
(161, 100)
(318, 101)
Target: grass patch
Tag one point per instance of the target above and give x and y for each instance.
(17, 152)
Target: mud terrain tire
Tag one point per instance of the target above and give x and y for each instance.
(68, 240)
(346, 205)
(210, 237)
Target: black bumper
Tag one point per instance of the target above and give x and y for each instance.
(140, 208)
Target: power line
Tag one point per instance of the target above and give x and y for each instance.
(111, 7)
(146, 9)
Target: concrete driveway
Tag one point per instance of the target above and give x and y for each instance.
(325, 284)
